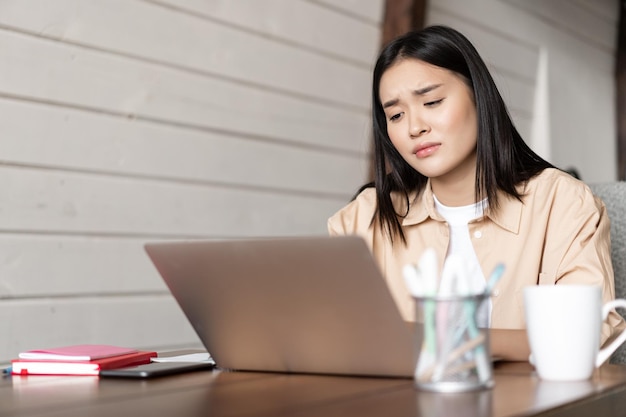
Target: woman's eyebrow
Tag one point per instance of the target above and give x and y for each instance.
(427, 89)
(418, 92)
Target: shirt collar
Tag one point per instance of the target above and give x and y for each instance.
(422, 207)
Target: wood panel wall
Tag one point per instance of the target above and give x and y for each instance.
(127, 121)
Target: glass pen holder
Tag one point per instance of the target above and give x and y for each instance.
(454, 351)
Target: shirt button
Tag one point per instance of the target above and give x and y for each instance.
(495, 292)
(478, 234)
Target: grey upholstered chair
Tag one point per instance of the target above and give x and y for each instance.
(614, 196)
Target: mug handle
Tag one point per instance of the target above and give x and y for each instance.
(607, 351)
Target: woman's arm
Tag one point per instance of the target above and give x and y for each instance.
(509, 344)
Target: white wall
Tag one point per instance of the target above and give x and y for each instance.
(554, 63)
(126, 121)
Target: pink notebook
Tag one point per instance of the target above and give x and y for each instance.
(76, 353)
(72, 367)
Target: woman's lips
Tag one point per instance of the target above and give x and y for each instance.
(426, 149)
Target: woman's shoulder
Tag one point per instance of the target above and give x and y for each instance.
(365, 200)
(553, 179)
(367, 194)
(355, 215)
(554, 184)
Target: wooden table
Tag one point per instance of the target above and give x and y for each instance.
(517, 392)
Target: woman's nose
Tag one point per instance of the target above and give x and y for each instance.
(417, 127)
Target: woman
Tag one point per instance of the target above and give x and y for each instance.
(452, 173)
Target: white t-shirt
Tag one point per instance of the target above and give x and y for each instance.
(461, 245)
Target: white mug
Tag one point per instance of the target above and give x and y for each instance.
(563, 324)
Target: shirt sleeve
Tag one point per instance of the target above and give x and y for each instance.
(578, 239)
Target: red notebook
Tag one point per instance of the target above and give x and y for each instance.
(74, 367)
(76, 352)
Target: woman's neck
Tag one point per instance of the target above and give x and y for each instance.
(455, 192)
(461, 197)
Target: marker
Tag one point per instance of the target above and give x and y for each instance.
(495, 276)
(429, 271)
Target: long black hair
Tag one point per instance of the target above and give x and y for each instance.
(504, 160)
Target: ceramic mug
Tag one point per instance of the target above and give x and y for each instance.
(563, 324)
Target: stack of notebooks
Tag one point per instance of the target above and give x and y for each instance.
(78, 360)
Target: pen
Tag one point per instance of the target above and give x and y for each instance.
(423, 280)
(482, 361)
(495, 276)
(429, 270)
(447, 313)
(469, 345)
(456, 268)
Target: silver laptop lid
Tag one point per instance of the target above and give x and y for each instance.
(304, 304)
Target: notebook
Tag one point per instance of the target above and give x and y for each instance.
(289, 304)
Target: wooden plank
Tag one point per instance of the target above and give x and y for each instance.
(55, 266)
(209, 47)
(140, 321)
(369, 10)
(607, 9)
(42, 201)
(295, 22)
(66, 138)
(501, 51)
(52, 71)
(402, 16)
(574, 18)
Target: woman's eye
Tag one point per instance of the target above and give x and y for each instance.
(433, 103)
(395, 117)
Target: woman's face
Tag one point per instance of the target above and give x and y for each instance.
(431, 120)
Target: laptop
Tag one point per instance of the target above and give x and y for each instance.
(289, 304)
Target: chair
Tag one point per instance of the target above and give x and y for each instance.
(614, 196)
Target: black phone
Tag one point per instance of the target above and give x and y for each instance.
(155, 369)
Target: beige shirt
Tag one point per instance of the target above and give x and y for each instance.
(559, 234)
